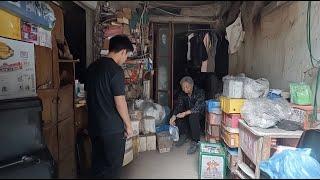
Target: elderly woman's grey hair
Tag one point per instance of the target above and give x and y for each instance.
(187, 79)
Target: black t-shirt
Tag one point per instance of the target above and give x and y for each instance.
(105, 79)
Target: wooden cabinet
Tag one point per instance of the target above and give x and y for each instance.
(50, 133)
(44, 64)
(65, 102)
(80, 118)
(66, 137)
(49, 100)
(67, 167)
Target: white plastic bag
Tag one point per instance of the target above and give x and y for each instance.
(255, 88)
(174, 132)
(265, 113)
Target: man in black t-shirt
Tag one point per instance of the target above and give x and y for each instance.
(108, 118)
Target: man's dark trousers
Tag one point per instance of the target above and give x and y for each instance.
(107, 155)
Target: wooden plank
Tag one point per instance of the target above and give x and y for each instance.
(178, 19)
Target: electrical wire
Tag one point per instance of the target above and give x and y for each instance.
(315, 62)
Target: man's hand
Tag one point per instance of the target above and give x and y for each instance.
(184, 114)
(172, 121)
(129, 132)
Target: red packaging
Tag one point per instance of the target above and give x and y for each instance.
(231, 120)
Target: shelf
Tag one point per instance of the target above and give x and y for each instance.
(68, 61)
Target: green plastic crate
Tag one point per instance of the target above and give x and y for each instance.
(212, 161)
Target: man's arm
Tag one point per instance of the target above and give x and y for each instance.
(121, 106)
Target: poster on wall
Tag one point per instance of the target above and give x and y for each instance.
(17, 69)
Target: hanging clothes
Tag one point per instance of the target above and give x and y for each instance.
(222, 57)
(198, 50)
(189, 46)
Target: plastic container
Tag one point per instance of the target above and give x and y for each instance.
(212, 161)
(233, 88)
(231, 120)
(231, 106)
(214, 119)
(213, 105)
(164, 141)
(213, 130)
(231, 139)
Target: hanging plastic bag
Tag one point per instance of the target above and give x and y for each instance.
(174, 132)
(292, 164)
(300, 93)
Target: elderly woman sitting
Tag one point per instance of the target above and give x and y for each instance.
(187, 113)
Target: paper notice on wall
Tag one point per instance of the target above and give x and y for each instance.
(17, 69)
(44, 37)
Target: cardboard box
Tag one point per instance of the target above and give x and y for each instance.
(212, 161)
(128, 155)
(126, 30)
(143, 143)
(123, 20)
(214, 119)
(106, 42)
(127, 13)
(135, 127)
(149, 125)
(135, 146)
(151, 142)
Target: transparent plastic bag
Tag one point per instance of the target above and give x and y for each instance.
(265, 113)
(174, 132)
(292, 164)
(300, 93)
(255, 88)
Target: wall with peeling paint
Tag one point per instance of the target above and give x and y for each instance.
(276, 47)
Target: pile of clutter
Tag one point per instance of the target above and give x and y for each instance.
(150, 131)
(259, 106)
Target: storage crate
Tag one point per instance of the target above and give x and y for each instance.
(256, 145)
(212, 103)
(212, 139)
(212, 161)
(231, 139)
(151, 142)
(231, 106)
(232, 158)
(143, 143)
(213, 119)
(164, 141)
(231, 120)
(233, 88)
(306, 113)
(213, 130)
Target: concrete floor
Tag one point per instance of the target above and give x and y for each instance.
(175, 164)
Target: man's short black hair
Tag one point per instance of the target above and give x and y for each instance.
(120, 42)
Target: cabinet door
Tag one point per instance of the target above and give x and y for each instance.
(67, 167)
(49, 105)
(65, 102)
(51, 138)
(66, 137)
(44, 75)
(81, 118)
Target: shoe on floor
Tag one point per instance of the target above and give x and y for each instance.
(182, 140)
(193, 148)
